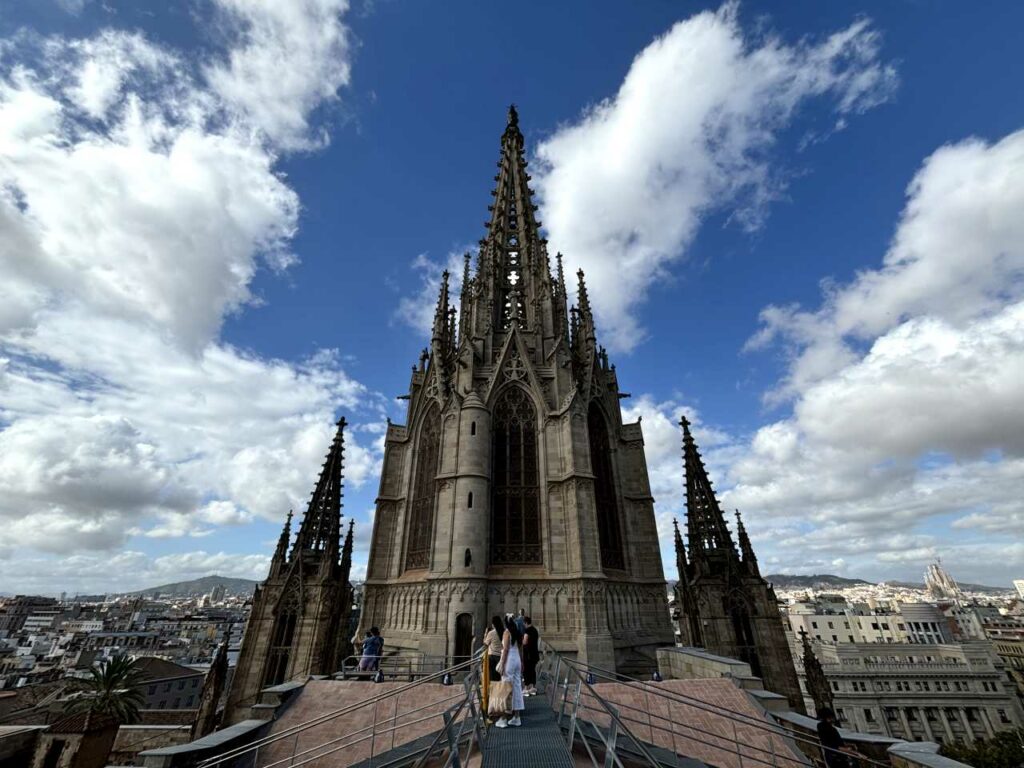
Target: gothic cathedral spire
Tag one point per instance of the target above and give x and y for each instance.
(711, 546)
(512, 480)
(729, 609)
(320, 530)
(300, 613)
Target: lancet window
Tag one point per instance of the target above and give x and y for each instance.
(515, 511)
(421, 518)
(743, 631)
(280, 646)
(608, 524)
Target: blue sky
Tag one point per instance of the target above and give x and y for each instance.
(222, 222)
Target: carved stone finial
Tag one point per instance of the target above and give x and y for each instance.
(513, 116)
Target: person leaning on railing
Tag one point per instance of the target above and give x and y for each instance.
(838, 754)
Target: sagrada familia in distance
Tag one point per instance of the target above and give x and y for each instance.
(514, 483)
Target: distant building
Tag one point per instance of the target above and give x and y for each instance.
(940, 693)
(969, 620)
(1019, 586)
(940, 585)
(17, 610)
(926, 624)
(849, 626)
(168, 685)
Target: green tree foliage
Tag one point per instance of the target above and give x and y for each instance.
(112, 688)
(1004, 750)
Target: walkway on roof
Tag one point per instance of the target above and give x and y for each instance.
(537, 743)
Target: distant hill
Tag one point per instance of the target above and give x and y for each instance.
(826, 580)
(201, 587)
(963, 585)
(817, 580)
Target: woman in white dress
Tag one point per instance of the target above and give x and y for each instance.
(511, 668)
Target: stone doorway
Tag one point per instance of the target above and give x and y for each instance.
(463, 637)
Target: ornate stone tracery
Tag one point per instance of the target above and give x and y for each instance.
(515, 506)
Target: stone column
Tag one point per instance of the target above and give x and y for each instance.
(968, 731)
(946, 725)
(983, 714)
(925, 724)
(908, 734)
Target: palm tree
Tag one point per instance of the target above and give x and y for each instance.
(112, 688)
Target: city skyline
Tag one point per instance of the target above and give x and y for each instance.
(225, 225)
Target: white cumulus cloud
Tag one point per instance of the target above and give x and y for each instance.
(690, 131)
(139, 197)
(904, 439)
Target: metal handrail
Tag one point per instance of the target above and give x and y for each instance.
(374, 731)
(703, 731)
(391, 664)
(739, 717)
(618, 724)
(321, 719)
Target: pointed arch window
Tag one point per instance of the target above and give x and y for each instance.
(515, 508)
(609, 527)
(282, 636)
(421, 518)
(745, 647)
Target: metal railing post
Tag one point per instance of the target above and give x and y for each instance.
(575, 711)
(453, 742)
(373, 733)
(565, 699)
(613, 735)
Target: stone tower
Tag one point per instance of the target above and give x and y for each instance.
(725, 605)
(299, 614)
(514, 482)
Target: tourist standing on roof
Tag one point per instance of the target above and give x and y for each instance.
(531, 657)
(521, 621)
(366, 660)
(511, 668)
(492, 641)
(378, 647)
